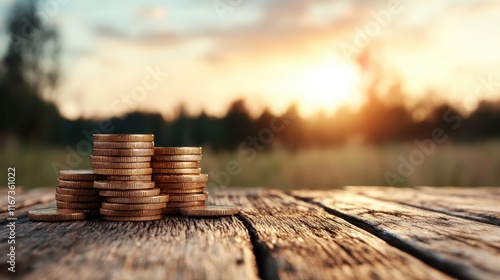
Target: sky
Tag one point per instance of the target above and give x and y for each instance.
(121, 56)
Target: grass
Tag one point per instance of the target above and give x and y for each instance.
(356, 164)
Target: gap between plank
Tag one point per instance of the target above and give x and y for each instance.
(446, 266)
(267, 266)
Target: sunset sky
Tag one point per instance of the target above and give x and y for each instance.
(319, 54)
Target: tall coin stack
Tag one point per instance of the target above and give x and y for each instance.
(177, 172)
(129, 192)
(75, 192)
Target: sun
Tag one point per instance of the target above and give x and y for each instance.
(326, 86)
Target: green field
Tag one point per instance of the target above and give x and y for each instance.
(355, 164)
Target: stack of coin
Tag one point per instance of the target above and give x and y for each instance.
(75, 191)
(177, 172)
(125, 160)
(130, 200)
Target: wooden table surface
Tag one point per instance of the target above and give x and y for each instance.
(354, 232)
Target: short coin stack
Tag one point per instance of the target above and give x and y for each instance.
(75, 191)
(177, 172)
(76, 199)
(129, 193)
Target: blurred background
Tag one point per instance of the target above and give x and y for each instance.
(286, 94)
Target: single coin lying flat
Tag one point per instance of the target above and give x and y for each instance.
(123, 137)
(136, 213)
(82, 192)
(131, 219)
(118, 165)
(181, 178)
(75, 184)
(210, 211)
(124, 185)
(177, 158)
(178, 150)
(140, 199)
(133, 207)
(78, 175)
(177, 171)
(94, 158)
(145, 178)
(123, 145)
(130, 193)
(123, 152)
(175, 164)
(58, 215)
(136, 171)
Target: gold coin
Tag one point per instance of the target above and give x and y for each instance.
(78, 198)
(122, 152)
(129, 178)
(181, 158)
(119, 159)
(78, 175)
(124, 185)
(178, 150)
(185, 204)
(181, 178)
(78, 205)
(130, 193)
(57, 215)
(210, 211)
(136, 213)
(177, 170)
(188, 197)
(167, 185)
(111, 171)
(131, 219)
(77, 191)
(123, 138)
(75, 184)
(136, 200)
(133, 207)
(181, 191)
(175, 164)
(123, 145)
(118, 165)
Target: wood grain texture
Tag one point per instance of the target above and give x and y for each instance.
(305, 235)
(24, 198)
(482, 206)
(173, 248)
(465, 249)
(296, 240)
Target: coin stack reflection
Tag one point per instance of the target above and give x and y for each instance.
(129, 192)
(177, 172)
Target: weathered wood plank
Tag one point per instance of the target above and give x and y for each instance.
(479, 192)
(465, 249)
(482, 209)
(173, 248)
(32, 197)
(297, 240)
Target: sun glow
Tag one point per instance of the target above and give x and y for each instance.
(327, 86)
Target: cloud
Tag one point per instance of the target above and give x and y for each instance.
(151, 13)
(428, 46)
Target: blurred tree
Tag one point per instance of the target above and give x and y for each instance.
(237, 124)
(29, 72)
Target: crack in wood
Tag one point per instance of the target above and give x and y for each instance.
(267, 267)
(449, 267)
